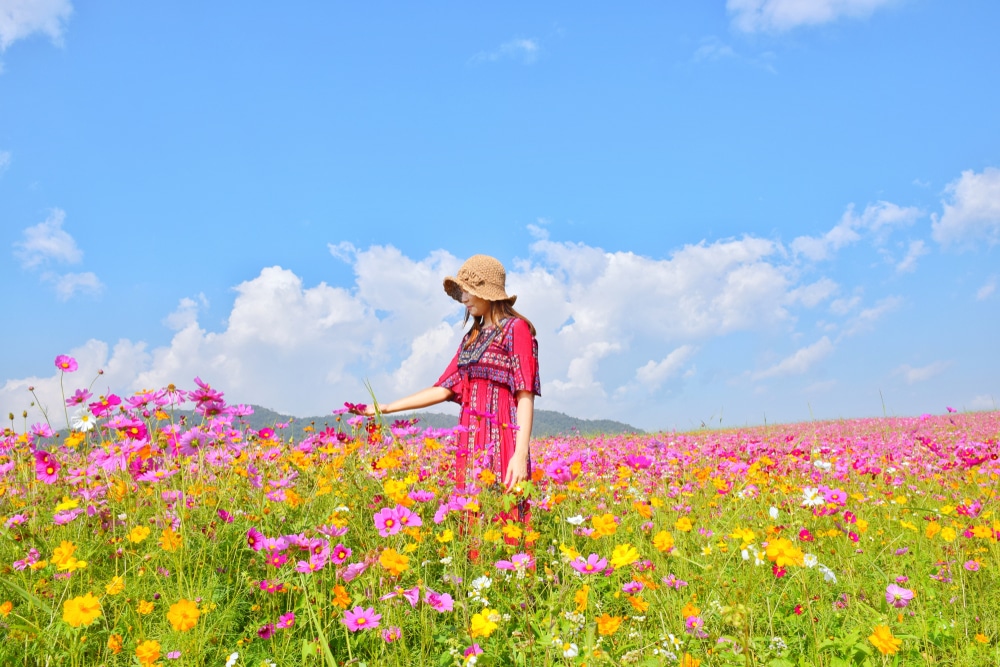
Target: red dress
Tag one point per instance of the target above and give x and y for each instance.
(485, 378)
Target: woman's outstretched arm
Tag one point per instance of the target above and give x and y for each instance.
(420, 399)
(517, 467)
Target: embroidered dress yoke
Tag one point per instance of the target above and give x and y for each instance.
(485, 378)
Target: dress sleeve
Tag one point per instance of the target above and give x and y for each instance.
(523, 349)
(452, 379)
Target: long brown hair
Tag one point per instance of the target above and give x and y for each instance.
(501, 310)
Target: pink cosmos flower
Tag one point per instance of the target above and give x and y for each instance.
(105, 405)
(412, 595)
(439, 602)
(407, 518)
(79, 397)
(46, 467)
(66, 363)
(353, 570)
(286, 620)
(475, 649)
(255, 539)
(971, 565)
(276, 559)
(391, 634)
(266, 631)
(340, 554)
(360, 618)
(387, 522)
(898, 596)
(517, 562)
(632, 587)
(592, 565)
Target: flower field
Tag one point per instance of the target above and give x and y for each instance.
(138, 536)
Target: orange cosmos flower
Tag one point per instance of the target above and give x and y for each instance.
(183, 615)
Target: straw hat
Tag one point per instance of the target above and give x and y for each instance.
(481, 276)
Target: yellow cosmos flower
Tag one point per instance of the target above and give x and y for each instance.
(116, 586)
(67, 504)
(932, 529)
(183, 615)
(638, 603)
(663, 541)
(608, 625)
(512, 531)
(82, 610)
(63, 552)
(446, 536)
(688, 661)
(115, 644)
(396, 563)
(782, 552)
(624, 554)
(148, 652)
(580, 597)
(690, 610)
(169, 540)
(340, 597)
(603, 525)
(883, 639)
(568, 553)
(6, 608)
(138, 534)
(144, 607)
(744, 534)
(982, 531)
(492, 535)
(948, 534)
(484, 623)
(683, 524)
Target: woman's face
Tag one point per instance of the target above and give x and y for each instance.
(477, 307)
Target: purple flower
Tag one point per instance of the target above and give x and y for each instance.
(898, 596)
(225, 516)
(266, 631)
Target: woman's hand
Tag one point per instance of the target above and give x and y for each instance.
(517, 470)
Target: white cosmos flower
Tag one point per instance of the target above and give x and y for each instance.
(809, 560)
(811, 497)
(575, 520)
(232, 659)
(570, 650)
(773, 513)
(83, 421)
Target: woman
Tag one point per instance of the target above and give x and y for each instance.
(493, 376)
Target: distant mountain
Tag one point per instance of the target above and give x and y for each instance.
(546, 423)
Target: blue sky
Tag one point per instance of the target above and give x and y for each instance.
(714, 212)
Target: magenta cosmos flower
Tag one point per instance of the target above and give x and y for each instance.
(46, 467)
(66, 363)
(592, 565)
(361, 619)
(516, 562)
(898, 596)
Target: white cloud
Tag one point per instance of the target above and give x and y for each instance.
(866, 319)
(877, 219)
(712, 49)
(923, 373)
(524, 50)
(655, 373)
(916, 250)
(983, 402)
(987, 290)
(48, 241)
(23, 18)
(813, 294)
(4, 161)
(845, 305)
(68, 285)
(801, 362)
(973, 211)
(781, 15)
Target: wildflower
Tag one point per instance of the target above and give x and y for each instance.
(683, 524)
(811, 497)
(608, 625)
(570, 650)
(396, 563)
(897, 596)
(148, 652)
(782, 552)
(603, 525)
(580, 598)
(445, 537)
(173, 655)
(971, 565)
(116, 585)
(391, 634)
(183, 615)
(387, 522)
(594, 563)
(115, 642)
(883, 639)
(623, 555)
(575, 520)
(690, 610)
(6, 608)
(66, 363)
(266, 631)
(169, 540)
(286, 620)
(810, 560)
(688, 661)
(360, 618)
(83, 421)
(82, 610)
(517, 562)
(46, 467)
(828, 574)
(638, 603)
(693, 626)
(439, 602)
(340, 597)
(233, 657)
(144, 607)
(138, 534)
(484, 623)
